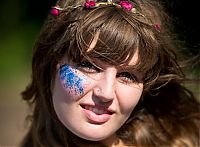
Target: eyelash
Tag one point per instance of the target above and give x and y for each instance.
(127, 78)
(123, 77)
(88, 67)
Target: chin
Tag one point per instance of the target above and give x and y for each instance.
(93, 137)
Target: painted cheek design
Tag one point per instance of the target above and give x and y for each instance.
(72, 82)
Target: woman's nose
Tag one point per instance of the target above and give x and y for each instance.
(105, 87)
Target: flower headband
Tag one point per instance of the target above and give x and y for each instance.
(89, 4)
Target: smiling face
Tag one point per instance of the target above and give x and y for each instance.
(94, 101)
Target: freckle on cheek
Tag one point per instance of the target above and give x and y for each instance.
(72, 82)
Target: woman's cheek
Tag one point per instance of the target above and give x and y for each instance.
(129, 96)
(73, 82)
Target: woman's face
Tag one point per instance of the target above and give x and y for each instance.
(94, 102)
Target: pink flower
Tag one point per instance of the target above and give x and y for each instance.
(90, 4)
(55, 11)
(126, 5)
(157, 26)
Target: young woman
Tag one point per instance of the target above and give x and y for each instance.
(106, 73)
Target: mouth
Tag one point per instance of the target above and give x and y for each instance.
(98, 110)
(97, 114)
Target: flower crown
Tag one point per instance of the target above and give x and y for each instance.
(89, 4)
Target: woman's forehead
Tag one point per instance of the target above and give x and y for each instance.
(130, 62)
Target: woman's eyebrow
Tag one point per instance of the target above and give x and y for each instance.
(126, 68)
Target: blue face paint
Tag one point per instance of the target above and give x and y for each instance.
(71, 80)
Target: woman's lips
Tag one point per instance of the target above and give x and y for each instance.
(96, 114)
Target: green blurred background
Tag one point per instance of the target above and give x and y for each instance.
(20, 22)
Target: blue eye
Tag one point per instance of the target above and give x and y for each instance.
(88, 67)
(127, 78)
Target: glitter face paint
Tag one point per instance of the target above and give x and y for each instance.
(72, 81)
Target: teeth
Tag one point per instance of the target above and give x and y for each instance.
(96, 110)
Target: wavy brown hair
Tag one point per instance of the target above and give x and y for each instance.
(167, 114)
